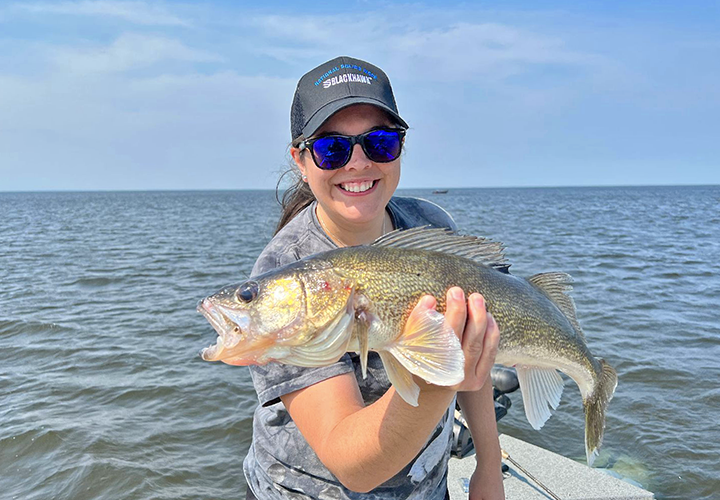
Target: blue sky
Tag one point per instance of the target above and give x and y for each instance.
(168, 95)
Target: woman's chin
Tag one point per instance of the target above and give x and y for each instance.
(361, 209)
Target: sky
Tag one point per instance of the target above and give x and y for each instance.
(142, 95)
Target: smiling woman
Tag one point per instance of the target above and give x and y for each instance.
(340, 430)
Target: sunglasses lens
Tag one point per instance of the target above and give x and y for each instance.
(331, 152)
(383, 146)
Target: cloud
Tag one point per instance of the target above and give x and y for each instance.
(127, 52)
(417, 48)
(467, 50)
(133, 12)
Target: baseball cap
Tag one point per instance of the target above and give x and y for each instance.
(337, 84)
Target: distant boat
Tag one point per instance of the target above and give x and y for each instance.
(440, 191)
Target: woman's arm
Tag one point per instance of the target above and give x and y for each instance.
(478, 408)
(364, 446)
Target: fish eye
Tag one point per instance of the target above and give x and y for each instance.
(247, 291)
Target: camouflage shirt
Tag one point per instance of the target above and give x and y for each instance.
(280, 464)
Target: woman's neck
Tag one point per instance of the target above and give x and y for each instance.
(346, 235)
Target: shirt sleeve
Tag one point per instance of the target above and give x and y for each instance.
(274, 379)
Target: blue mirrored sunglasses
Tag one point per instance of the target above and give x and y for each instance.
(330, 152)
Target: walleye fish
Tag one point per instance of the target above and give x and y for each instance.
(311, 312)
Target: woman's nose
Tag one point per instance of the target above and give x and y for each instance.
(358, 160)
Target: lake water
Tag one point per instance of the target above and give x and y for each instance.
(103, 395)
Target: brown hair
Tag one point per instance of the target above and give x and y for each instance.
(297, 196)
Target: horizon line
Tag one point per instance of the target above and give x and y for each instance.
(189, 190)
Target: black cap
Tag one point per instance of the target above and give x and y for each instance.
(335, 85)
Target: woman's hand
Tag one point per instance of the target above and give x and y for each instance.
(486, 484)
(477, 330)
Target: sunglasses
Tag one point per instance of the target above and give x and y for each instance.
(330, 152)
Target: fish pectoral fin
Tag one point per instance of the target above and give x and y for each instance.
(363, 341)
(400, 378)
(429, 348)
(366, 321)
(540, 387)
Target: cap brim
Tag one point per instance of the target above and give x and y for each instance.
(330, 109)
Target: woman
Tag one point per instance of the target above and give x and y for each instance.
(329, 433)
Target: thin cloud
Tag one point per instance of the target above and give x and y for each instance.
(129, 51)
(432, 51)
(465, 51)
(133, 12)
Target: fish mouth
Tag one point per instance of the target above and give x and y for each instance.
(229, 327)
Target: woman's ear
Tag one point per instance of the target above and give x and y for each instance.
(298, 159)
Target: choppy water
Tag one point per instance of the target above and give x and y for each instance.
(102, 394)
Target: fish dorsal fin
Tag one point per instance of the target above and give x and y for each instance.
(482, 250)
(555, 286)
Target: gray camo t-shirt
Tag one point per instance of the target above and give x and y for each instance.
(280, 464)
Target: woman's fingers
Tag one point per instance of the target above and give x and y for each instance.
(456, 310)
(474, 334)
(490, 347)
(479, 342)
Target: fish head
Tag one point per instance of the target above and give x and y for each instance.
(261, 319)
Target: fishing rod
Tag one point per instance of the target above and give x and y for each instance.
(505, 456)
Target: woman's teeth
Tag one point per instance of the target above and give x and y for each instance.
(357, 187)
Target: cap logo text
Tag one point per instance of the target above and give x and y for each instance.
(335, 69)
(345, 78)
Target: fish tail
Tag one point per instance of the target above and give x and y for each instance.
(595, 407)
